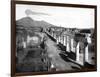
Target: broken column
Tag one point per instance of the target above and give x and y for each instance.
(89, 53)
(80, 52)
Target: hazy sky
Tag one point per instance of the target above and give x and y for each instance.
(60, 16)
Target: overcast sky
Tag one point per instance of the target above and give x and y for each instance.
(60, 16)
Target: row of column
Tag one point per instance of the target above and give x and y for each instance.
(82, 53)
(65, 40)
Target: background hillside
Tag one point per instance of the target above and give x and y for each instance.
(29, 22)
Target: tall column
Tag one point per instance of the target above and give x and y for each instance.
(57, 40)
(64, 40)
(72, 46)
(86, 54)
(60, 39)
(82, 52)
(67, 45)
(55, 36)
(28, 39)
(24, 44)
(52, 33)
(89, 40)
(77, 52)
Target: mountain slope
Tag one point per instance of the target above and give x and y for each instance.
(29, 22)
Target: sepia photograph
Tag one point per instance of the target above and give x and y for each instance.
(54, 38)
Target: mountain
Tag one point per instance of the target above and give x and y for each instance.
(29, 22)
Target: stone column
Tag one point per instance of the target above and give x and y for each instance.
(86, 54)
(61, 39)
(64, 40)
(24, 44)
(72, 46)
(28, 39)
(67, 45)
(89, 40)
(54, 35)
(82, 52)
(77, 52)
(57, 40)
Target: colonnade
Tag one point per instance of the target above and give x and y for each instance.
(79, 48)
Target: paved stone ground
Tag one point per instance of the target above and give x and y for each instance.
(57, 61)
